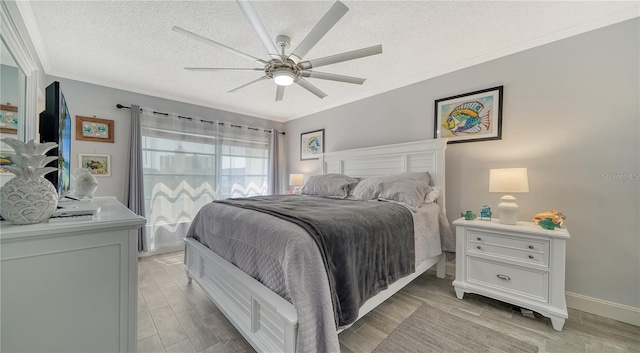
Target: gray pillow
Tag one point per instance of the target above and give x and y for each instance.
(369, 189)
(409, 192)
(329, 185)
(423, 177)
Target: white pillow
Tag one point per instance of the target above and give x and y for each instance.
(433, 195)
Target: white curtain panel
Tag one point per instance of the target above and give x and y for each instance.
(189, 162)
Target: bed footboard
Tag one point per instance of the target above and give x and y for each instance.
(266, 320)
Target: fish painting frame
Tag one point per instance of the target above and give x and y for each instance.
(5, 160)
(94, 129)
(96, 164)
(469, 117)
(311, 145)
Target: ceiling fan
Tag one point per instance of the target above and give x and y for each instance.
(285, 70)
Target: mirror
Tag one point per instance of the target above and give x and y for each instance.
(12, 96)
(17, 49)
(20, 81)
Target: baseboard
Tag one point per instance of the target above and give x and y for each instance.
(611, 310)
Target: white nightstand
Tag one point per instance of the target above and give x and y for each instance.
(521, 264)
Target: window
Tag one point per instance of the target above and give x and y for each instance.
(244, 170)
(186, 167)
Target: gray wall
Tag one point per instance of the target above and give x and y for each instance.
(90, 100)
(571, 112)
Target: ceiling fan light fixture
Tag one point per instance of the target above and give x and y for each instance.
(283, 77)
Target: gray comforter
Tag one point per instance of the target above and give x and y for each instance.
(283, 257)
(365, 246)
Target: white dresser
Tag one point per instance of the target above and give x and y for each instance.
(522, 264)
(71, 286)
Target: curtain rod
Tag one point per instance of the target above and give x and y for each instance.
(120, 106)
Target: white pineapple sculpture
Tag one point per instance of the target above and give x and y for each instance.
(29, 197)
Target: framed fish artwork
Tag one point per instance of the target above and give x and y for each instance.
(94, 129)
(474, 116)
(96, 164)
(311, 145)
(5, 160)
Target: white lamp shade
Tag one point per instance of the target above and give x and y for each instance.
(296, 179)
(508, 180)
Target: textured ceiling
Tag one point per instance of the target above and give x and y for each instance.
(129, 44)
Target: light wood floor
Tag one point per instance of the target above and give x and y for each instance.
(175, 316)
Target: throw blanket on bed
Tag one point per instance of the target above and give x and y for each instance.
(365, 246)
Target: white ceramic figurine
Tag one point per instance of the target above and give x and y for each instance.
(86, 184)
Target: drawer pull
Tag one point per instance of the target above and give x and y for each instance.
(531, 257)
(531, 247)
(504, 277)
(479, 247)
(479, 238)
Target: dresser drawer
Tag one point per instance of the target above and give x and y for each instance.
(527, 250)
(522, 281)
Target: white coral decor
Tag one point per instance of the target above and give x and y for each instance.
(28, 198)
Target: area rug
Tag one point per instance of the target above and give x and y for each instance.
(430, 329)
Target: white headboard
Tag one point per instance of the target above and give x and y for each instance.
(419, 156)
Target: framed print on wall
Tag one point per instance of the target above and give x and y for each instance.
(474, 116)
(96, 164)
(94, 129)
(5, 161)
(8, 119)
(311, 145)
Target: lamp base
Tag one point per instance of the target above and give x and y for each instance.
(296, 189)
(508, 210)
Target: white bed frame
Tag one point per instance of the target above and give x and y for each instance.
(266, 320)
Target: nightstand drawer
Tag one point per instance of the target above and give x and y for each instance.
(533, 257)
(528, 250)
(525, 282)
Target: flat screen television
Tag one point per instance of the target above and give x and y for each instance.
(55, 126)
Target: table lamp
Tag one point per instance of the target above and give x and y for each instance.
(296, 180)
(508, 180)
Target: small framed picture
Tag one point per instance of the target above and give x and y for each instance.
(5, 160)
(311, 145)
(8, 119)
(474, 116)
(96, 164)
(94, 129)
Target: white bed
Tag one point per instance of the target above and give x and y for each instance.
(266, 320)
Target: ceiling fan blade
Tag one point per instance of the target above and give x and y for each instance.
(280, 93)
(220, 69)
(250, 83)
(333, 77)
(350, 55)
(311, 88)
(327, 21)
(216, 44)
(251, 15)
